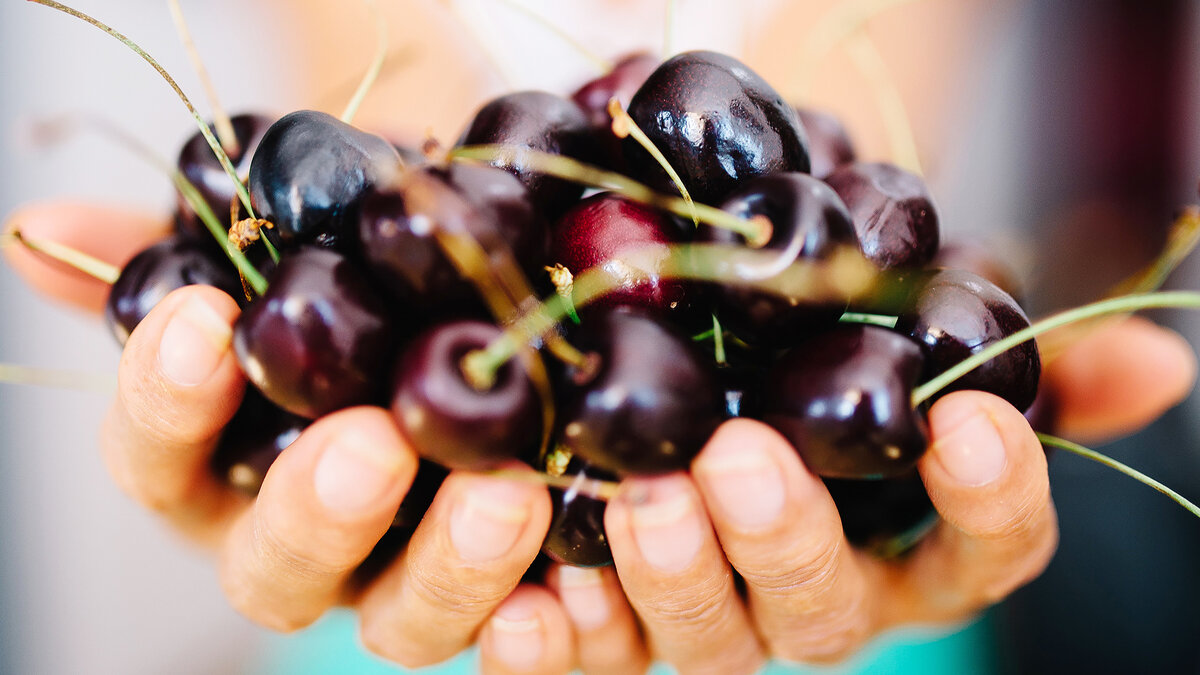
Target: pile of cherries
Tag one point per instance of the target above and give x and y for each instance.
(396, 269)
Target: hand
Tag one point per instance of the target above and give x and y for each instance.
(750, 506)
(287, 556)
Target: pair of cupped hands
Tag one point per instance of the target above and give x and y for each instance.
(748, 506)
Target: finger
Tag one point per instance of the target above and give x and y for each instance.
(528, 634)
(110, 234)
(1120, 379)
(607, 638)
(178, 385)
(676, 577)
(467, 555)
(323, 506)
(986, 475)
(780, 530)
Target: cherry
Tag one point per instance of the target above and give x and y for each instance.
(576, 535)
(258, 432)
(973, 256)
(599, 229)
(319, 339)
(884, 517)
(809, 222)
(172, 263)
(621, 83)
(717, 122)
(842, 399)
(652, 403)
(829, 145)
(402, 251)
(957, 314)
(893, 213)
(309, 174)
(446, 418)
(539, 121)
(201, 167)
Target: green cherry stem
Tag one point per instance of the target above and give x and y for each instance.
(91, 266)
(368, 80)
(592, 487)
(1063, 444)
(718, 341)
(882, 320)
(57, 379)
(603, 66)
(757, 231)
(243, 194)
(225, 132)
(1119, 305)
(623, 126)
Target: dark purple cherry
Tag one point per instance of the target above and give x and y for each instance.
(258, 432)
(957, 314)
(885, 517)
(200, 166)
(829, 145)
(621, 83)
(448, 420)
(173, 263)
(893, 213)
(398, 228)
(602, 228)
(843, 399)
(412, 510)
(538, 121)
(810, 223)
(309, 175)
(319, 339)
(576, 536)
(717, 122)
(652, 403)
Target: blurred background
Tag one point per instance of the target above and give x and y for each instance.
(1064, 134)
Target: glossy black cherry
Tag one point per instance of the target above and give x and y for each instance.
(829, 144)
(320, 339)
(809, 223)
(576, 536)
(398, 228)
(200, 166)
(957, 314)
(843, 399)
(599, 229)
(621, 83)
(884, 517)
(717, 122)
(451, 422)
(256, 435)
(893, 212)
(538, 121)
(309, 175)
(651, 405)
(172, 263)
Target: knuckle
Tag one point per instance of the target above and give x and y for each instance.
(806, 577)
(247, 601)
(697, 606)
(445, 592)
(1017, 522)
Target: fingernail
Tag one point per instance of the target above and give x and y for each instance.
(353, 475)
(746, 482)
(665, 525)
(581, 590)
(488, 518)
(517, 637)
(193, 343)
(972, 452)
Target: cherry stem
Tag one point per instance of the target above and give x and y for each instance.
(591, 487)
(757, 230)
(718, 337)
(891, 105)
(841, 23)
(368, 80)
(623, 126)
(1063, 444)
(243, 194)
(58, 379)
(200, 206)
(1119, 305)
(883, 320)
(844, 276)
(225, 132)
(93, 267)
(669, 31)
(603, 65)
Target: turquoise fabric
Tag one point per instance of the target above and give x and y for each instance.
(331, 646)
